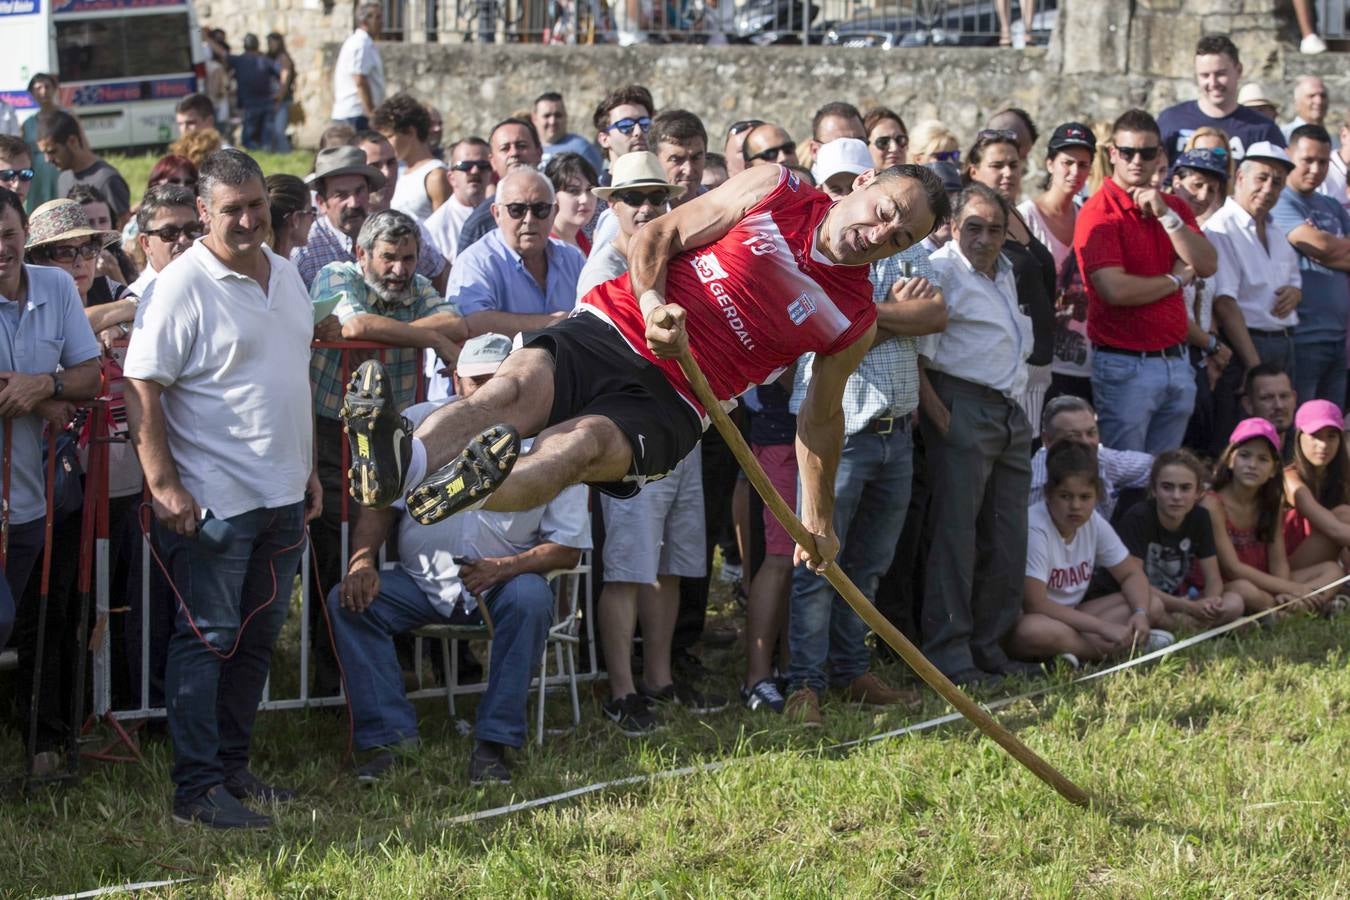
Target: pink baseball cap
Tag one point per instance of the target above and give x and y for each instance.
(1318, 414)
(1249, 429)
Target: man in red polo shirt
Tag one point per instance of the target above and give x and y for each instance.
(1138, 248)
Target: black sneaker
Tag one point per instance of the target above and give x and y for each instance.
(466, 481)
(632, 715)
(244, 785)
(385, 760)
(217, 808)
(487, 764)
(691, 698)
(1016, 668)
(763, 695)
(380, 439)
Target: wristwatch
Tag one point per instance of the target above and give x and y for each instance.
(1213, 345)
(57, 386)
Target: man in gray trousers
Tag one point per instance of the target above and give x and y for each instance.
(979, 448)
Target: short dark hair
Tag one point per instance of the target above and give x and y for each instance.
(547, 97)
(11, 145)
(1310, 132)
(1023, 116)
(1070, 459)
(401, 112)
(523, 123)
(199, 104)
(368, 136)
(983, 141)
(635, 94)
(1178, 457)
(677, 126)
(86, 193)
(337, 134)
(229, 167)
(58, 125)
(1139, 121)
(880, 114)
(161, 197)
(472, 140)
(42, 76)
(714, 161)
(1262, 370)
(566, 167)
(286, 195)
(934, 191)
(10, 200)
(975, 191)
(837, 108)
(1214, 44)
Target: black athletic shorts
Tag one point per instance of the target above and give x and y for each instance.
(597, 373)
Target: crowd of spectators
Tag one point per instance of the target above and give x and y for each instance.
(1095, 412)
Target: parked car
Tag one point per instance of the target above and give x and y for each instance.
(965, 24)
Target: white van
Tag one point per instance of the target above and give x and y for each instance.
(123, 64)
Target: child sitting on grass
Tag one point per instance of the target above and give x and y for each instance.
(1317, 488)
(1245, 504)
(1066, 539)
(1173, 539)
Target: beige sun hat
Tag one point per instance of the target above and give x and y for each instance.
(639, 169)
(63, 220)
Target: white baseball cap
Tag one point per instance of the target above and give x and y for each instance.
(841, 155)
(1268, 152)
(483, 355)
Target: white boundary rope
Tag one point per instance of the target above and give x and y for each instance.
(121, 888)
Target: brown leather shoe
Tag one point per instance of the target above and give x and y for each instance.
(803, 708)
(869, 690)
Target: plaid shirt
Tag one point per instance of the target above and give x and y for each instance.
(887, 380)
(328, 245)
(346, 281)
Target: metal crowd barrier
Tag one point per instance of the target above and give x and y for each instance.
(94, 576)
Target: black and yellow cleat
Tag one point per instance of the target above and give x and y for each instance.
(379, 438)
(466, 481)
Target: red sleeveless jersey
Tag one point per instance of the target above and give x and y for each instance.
(757, 298)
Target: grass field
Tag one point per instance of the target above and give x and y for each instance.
(1219, 771)
(136, 169)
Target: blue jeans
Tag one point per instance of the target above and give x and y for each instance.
(1143, 403)
(212, 702)
(276, 130)
(521, 610)
(25, 547)
(871, 496)
(257, 123)
(1320, 373)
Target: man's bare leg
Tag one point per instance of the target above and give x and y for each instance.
(589, 448)
(658, 607)
(617, 615)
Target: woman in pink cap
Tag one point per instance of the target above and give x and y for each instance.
(1317, 488)
(1246, 504)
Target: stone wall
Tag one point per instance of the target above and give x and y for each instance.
(1104, 58)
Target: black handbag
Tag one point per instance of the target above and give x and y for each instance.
(68, 489)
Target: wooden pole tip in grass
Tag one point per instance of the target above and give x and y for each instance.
(930, 673)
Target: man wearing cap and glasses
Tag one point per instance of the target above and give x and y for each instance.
(47, 352)
(1319, 230)
(517, 278)
(1258, 286)
(1137, 248)
(469, 568)
(767, 145)
(343, 182)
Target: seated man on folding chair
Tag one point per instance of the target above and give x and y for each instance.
(472, 567)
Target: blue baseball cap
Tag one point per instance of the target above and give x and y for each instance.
(1206, 161)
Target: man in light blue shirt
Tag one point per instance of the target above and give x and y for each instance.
(549, 116)
(1319, 230)
(47, 352)
(517, 278)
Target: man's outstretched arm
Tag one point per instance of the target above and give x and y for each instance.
(820, 441)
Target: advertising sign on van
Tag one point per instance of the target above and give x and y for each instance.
(20, 7)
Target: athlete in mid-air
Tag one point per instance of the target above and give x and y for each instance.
(746, 278)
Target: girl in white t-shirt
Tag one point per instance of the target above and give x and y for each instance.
(1066, 539)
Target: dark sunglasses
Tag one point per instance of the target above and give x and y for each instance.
(16, 174)
(517, 210)
(771, 153)
(1147, 154)
(171, 233)
(884, 142)
(951, 156)
(744, 125)
(990, 135)
(635, 199)
(626, 125)
(68, 254)
(469, 165)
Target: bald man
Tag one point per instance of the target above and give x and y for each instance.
(517, 278)
(767, 145)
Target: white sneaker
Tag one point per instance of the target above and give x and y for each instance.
(1158, 639)
(1070, 660)
(1312, 44)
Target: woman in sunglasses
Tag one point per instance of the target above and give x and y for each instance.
(993, 161)
(60, 235)
(887, 138)
(931, 141)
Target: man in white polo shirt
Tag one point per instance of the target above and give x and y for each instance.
(220, 412)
